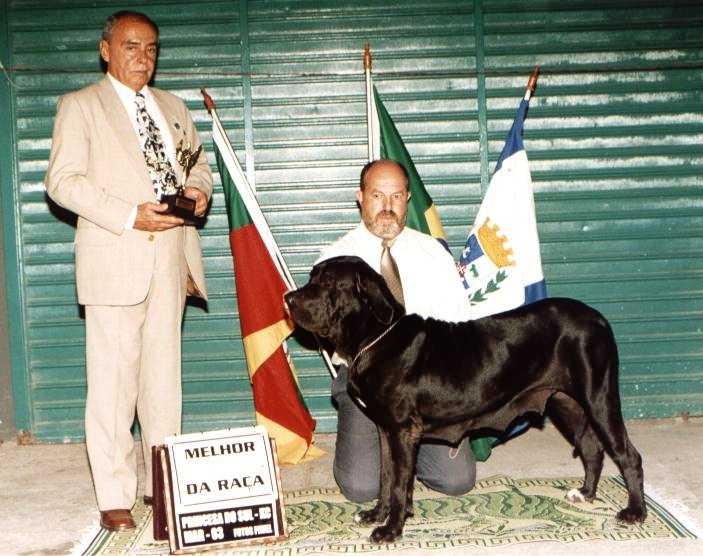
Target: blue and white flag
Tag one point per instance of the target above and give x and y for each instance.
(501, 266)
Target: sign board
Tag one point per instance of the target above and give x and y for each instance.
(221, 488)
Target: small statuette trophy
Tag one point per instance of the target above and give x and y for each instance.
(178, 204)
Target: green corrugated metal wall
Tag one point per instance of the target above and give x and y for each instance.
(613, 135)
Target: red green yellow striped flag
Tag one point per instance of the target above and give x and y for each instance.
(264, 324)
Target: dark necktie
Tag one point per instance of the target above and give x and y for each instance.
(160, 170)
(389, 271)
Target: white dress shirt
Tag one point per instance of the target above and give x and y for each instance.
(127, 96)
(431, 283)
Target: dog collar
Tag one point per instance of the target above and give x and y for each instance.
(367, 347)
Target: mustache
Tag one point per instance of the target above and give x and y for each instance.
(387, 213)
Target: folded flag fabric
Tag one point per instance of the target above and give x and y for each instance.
(501, 264)
(264, 324)
(422, 214)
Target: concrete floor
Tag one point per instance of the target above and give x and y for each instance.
(47, 502)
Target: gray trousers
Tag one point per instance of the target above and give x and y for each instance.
(357, 466)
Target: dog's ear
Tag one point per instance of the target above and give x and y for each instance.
(378, 297)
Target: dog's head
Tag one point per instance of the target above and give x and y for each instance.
(344, 302)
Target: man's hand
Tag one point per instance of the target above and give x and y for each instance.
(150, 218)
(199, 197)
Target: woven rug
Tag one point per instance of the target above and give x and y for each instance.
(499, 511)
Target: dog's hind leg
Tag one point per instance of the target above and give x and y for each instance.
(570, 419)
(608, 422)
(403, 452)
(602, 405)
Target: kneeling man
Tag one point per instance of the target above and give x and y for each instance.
(423, 277)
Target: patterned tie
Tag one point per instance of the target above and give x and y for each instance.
(389, 271)
(160, 170)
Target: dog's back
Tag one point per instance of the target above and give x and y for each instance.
(538, 345)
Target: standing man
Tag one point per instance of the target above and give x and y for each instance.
(112, 157)
(422, 275)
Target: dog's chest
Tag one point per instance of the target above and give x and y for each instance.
(385, 397)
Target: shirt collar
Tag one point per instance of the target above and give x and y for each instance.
(126, 93)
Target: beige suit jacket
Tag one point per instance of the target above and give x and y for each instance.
(97, 170)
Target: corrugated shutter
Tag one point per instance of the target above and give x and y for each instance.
(613, 136)
(309, 120)
(54, 50)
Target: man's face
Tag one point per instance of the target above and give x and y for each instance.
(384, 200)
(131, 52)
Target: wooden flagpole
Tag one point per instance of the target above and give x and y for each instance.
(532, 83)
(369, 101)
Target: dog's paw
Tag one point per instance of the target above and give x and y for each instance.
(385, 533)
(632, 515)
(575, 496)
(367, 517)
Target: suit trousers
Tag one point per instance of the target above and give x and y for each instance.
(357, 462)
(133, 362)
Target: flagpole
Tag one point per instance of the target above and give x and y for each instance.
(252, 206)
(369, 101)
(532, 83)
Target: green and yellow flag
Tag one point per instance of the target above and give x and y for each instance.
(422, 214)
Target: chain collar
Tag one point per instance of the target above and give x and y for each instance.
(373, 343)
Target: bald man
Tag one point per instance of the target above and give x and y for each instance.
(431, 287)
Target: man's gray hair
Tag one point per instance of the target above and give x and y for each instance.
(115, 18)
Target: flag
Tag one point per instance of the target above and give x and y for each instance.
(264, 325)
(422, 214)
(501, 265)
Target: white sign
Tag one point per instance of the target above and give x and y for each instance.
(223, 487)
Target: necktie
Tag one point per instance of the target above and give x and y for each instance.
(389, 271)
(160, 170)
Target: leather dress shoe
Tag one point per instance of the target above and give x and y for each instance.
(116, 520)
(148, 500)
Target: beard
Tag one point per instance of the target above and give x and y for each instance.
(385, 224)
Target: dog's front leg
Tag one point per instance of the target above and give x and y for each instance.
(379, 513)
(403, 450)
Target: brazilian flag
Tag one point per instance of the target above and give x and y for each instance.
(422, 214)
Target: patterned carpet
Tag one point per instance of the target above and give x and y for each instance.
(498, 512)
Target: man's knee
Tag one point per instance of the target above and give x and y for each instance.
(355, 486)
(448, 470)
(452, 484)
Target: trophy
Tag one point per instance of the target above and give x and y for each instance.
(178, 204)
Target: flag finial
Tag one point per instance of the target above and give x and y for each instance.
(367, 56)
(532, 82)
(207, 99)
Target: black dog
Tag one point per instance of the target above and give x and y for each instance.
(423, 377)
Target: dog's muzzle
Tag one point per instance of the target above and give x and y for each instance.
(288, 302)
